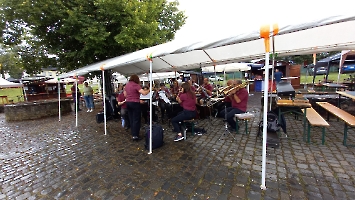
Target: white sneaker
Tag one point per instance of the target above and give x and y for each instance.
(88, 110)
(91, 110)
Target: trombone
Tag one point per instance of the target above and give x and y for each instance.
(222, 89)
(243, 85)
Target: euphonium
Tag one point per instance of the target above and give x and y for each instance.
(243, 85)
(220, 90)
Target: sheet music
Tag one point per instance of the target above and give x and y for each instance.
(145, 97)
(163, 96)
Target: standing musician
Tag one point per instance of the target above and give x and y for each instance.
(239, 103)
(121, 100)
(132, 93)
(187, 99)
(164, 104)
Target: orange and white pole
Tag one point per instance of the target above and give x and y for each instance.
(265, 33)
(104, 94)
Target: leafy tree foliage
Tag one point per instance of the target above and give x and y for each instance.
(10, 63)
(82, 32)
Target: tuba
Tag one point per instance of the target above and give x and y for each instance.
(243, 85)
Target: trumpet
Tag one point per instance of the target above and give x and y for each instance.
(220, 90)
(243, 85)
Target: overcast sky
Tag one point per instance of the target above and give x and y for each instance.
(208, 18)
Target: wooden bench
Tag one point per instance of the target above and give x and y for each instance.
(245, 117)
(314, 119)
(341, 114)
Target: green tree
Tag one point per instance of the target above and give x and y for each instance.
(82, 32)
(10, 63)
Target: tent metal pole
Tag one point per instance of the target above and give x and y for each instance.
(340, 65)
(150, 104)
(24, 91)
(265, 110)
(104, 97)
(76, 101)
(59, 113)
(272, 70)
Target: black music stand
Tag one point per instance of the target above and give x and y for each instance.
(226, 123)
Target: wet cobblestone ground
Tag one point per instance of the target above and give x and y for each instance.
(47, 159)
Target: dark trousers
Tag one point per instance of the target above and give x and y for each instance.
(230, 116)
(164, 107)
(183, 115)
(134, 115)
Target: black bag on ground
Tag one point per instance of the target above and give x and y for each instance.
(157, 136)
(273, 126)
(100, 117)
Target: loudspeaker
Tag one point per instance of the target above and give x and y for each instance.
(285, 89)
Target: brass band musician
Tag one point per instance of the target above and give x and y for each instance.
(174, 89)
(228, 99)
(206, 91)
(239, 101)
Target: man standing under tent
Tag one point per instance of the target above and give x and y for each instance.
(73, 94)
(239, 103)
(277, 75)
(88, 97)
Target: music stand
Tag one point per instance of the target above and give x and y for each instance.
(226, 123)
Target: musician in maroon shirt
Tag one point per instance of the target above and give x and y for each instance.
(187, 100)
(206, 92)
(239, 104)
(228, 99)
(208, 88)
(132, 93)
(191, 82)
(121, 100)
(174, 89)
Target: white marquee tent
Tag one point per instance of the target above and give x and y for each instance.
(158, 76)
(7, 84)
(329, 34)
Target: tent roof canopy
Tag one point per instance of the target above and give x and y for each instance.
(7, 84)
(329, 34)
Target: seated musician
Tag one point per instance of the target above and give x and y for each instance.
(187, 100)
(174, 89)
(145, 107)
(164, 102)
(228, 99)
(191, 82)
(239, 104)
(227, 102)
(206, 91)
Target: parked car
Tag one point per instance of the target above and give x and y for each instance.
(320, 71)
(214, 78)
(348, 68)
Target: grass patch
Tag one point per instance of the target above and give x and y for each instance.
(15, 94)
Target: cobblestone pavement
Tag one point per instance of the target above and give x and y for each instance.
(47, 159)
